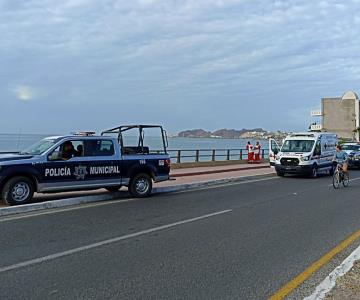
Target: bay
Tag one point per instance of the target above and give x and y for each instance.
(18, 142)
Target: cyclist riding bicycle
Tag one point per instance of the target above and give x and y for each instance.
(341, 158)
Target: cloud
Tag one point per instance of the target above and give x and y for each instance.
(24, 93)
(194, 53)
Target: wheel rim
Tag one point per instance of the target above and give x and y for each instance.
(142, 186)
(20, 191)
(314, 172)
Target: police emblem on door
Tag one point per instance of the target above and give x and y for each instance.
(80, 172)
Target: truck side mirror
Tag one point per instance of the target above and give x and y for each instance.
(54, 156)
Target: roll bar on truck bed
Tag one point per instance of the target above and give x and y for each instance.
(141, 134)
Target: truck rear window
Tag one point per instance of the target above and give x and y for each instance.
(99, 148)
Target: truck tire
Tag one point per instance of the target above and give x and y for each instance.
(140, 186)
(113, 189)
(18, 190)
(279, 173)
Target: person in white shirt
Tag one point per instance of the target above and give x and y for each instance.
(250, 150)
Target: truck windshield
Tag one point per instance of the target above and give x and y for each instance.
(40, 147)
(351, 147)
(297, 146)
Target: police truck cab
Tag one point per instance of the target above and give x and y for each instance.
(304, 153)
(85, 161)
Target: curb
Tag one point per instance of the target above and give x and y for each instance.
(330, 281)
(219, 171)
(12, 210)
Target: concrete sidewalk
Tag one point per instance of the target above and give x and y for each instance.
(201, 174)
(187, 177)
(182, 172)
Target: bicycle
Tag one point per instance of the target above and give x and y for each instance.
(340, 177)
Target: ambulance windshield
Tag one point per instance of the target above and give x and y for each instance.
(40, 147)
(297, 146)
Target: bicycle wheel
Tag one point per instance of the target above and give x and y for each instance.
(336, 180)
(346, 179)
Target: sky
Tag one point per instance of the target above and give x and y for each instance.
(91, 65)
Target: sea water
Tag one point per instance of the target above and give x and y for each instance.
(19, 142)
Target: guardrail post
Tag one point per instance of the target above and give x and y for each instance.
(178, 160)
(228, 155)
(197, 155)
(213, 155)
(241, 154)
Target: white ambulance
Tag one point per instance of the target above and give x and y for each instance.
(305, 153)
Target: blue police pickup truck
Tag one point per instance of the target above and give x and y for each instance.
(118, 157)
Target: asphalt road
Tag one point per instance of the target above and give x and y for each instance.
(237, 241)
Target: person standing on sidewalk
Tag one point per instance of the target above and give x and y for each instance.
(250, 150)
(257, 152)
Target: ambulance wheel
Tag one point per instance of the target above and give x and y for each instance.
(18, 190)
(140, 186)
(113, 189)
(314, 172)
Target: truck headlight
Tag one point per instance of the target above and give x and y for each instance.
(305, 158)
(277, 157)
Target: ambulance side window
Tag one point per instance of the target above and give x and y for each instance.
(274, 147)
(317, 148)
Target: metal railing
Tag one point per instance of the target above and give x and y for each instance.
(201, 155)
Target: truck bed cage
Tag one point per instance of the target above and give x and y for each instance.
(123, 128)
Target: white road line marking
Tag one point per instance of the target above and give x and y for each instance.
(58, 210)
(105, 242)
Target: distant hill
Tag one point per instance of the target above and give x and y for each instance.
(222, 133)
(236, 134)
(195, 133)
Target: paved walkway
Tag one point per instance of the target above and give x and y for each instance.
(180, 176)
(190, 175)
(218, 169)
